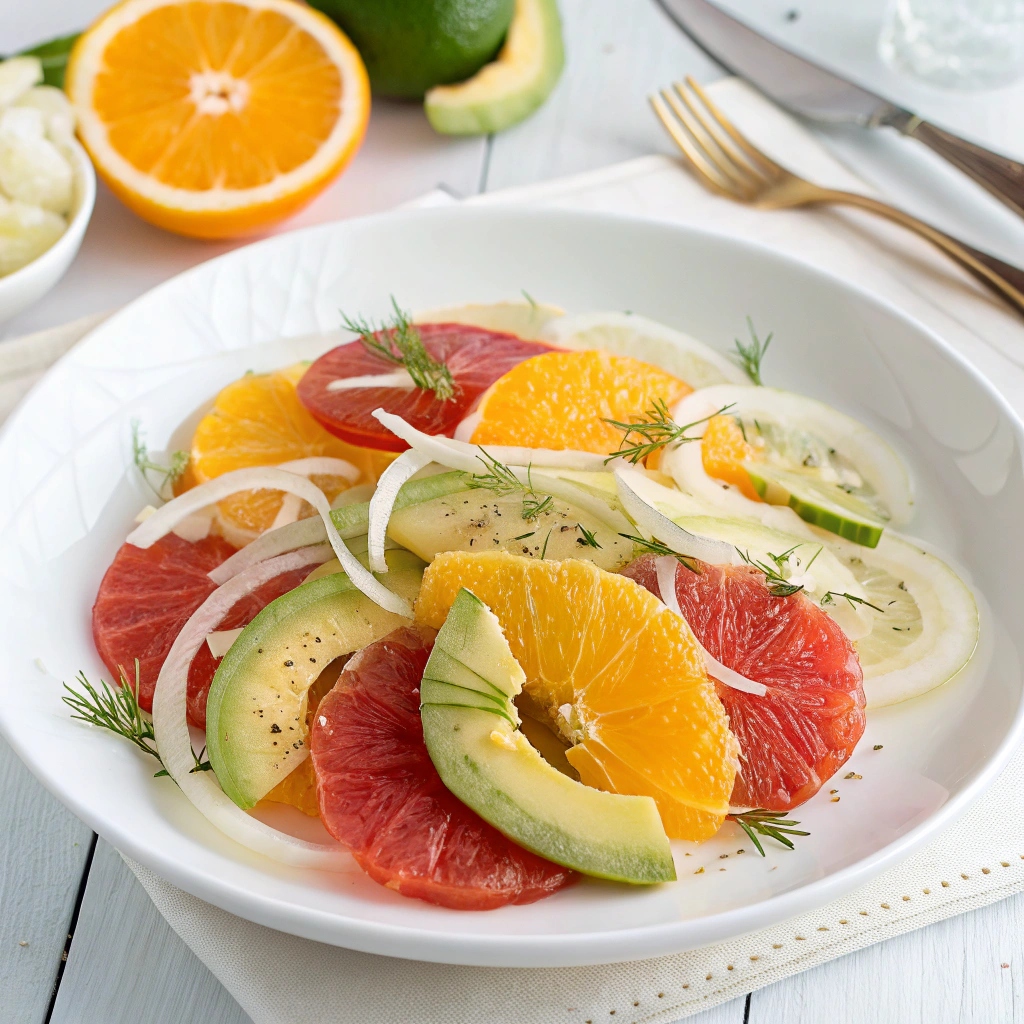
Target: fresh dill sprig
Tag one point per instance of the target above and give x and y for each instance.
(773, 824)
(530, 299)
(403, 346)
(168, 474)
(654, 432)
(535, 506)
(655, 547)
(588, 539)
(778, 585)
(748, 357)
(500, 479)
(117, 709)
(544, 550)
(852, 599)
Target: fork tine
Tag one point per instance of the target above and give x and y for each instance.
(741, 162)
(743, 179)
(708, 173)
(738, 137)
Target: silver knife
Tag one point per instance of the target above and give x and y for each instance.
(809, 90)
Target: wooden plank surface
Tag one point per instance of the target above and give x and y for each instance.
(43, 850)
(126, 966)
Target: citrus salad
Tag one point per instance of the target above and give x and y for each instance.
(505, 596)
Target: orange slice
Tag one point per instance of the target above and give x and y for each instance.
(724, 449)
(259, 421)
(619, 675)
(213, 118)
(562, 399)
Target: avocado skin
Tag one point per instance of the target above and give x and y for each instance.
(409, 46)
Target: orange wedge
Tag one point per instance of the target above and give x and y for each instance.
(724, 449)
(213, 118)
(619, 675)
(259, 421)
(562, 400)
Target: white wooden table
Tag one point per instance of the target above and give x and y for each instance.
(80, 943)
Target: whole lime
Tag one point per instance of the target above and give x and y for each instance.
(409, 46)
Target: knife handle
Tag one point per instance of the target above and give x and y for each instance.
(1003, 278)
(1003, 177)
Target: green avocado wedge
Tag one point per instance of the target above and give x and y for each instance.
(256, 713)
(512, 86)
(471, 729)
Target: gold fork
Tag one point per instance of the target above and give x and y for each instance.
(728, 163)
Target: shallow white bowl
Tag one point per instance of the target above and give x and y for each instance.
(69, 501)
(21, 289)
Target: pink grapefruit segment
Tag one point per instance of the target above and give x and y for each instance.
(797, 736)
(381, 796)
(475, 357)
(144, 599)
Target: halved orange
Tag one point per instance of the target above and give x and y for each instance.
(562, 400)
(723, 451)
(620, 676)
(216, 118)
(259, 421)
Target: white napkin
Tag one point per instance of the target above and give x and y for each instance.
(279, 979)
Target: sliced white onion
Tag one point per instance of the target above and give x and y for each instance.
(220, 641)
(322, 465)
(464, 431)
(383, 502)
(707, 549)
(269, 544)
(460, 455)
(175, 745)
(289, 512)
(398, 379)
(195, 527)
(146, 512)
(575, 495)
(666, 567)
(269, 478)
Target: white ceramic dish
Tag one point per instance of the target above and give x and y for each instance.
(29, 284)
(68, 503)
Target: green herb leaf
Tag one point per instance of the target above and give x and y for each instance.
(655, 431)
(778, 585)
(772, 824)
(588, 539)
(400, 343)
(168, 474)
(53, 55)
(749, 357)
(655, 547)
(852, 599)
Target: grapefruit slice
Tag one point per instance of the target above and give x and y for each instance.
(144, 599)
(475, 358)
(798, 735)
(204, 664)
(381, 796)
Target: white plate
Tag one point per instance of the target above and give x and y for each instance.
(68, 502)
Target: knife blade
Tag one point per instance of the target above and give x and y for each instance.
(811, 91)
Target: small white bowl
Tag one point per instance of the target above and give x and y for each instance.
(19, 290)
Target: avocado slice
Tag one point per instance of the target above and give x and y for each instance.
(256, 712)
(471, 728)
(480, 520)
(818, 502)
(511, 87)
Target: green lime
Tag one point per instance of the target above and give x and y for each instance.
(409, 46)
